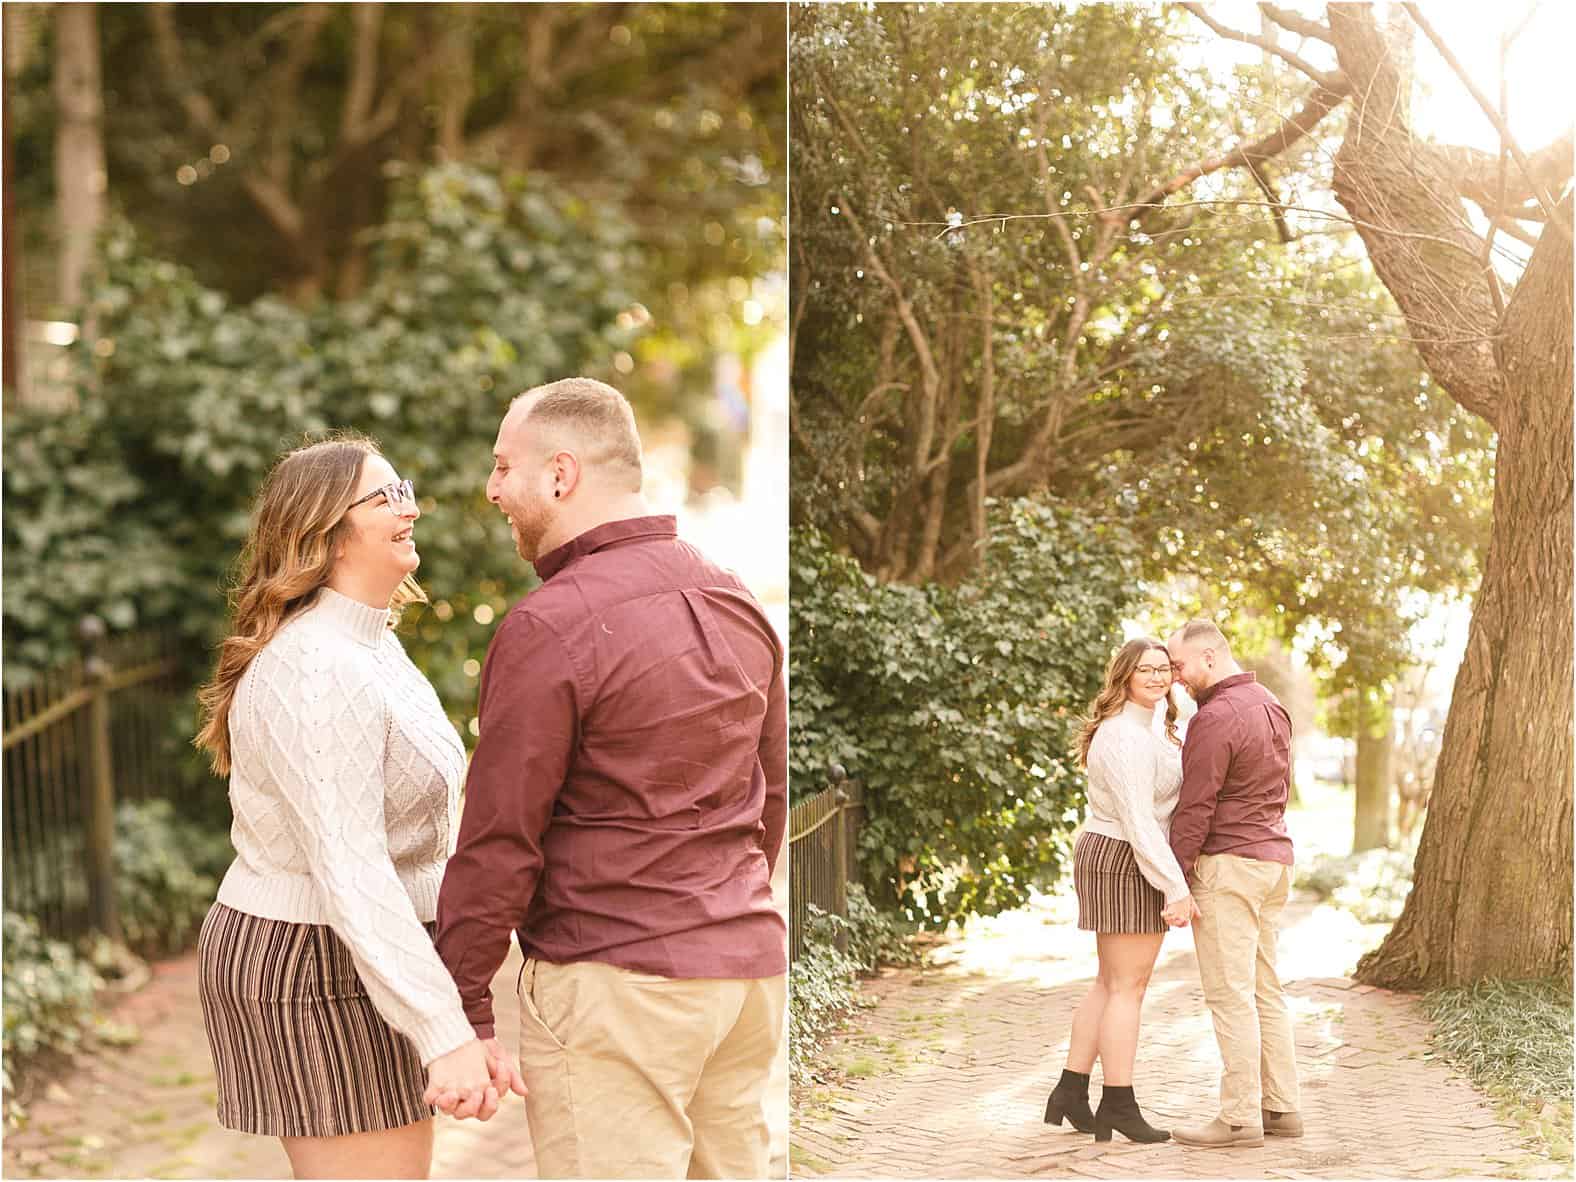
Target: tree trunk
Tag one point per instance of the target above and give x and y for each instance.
(1492, 883)
(79, 144)
(11, 263)
(1375, 781)
(1491, 892)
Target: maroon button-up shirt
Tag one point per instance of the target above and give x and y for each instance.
(1236, 776)
(627, 798)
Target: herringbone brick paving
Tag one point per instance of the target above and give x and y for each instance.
(945, 1076)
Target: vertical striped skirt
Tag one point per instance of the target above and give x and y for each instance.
(298, 1049)
(1113, 894)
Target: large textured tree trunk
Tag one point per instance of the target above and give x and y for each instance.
(1492, 885)
(79, 143)
(1492, 882)
(1375, 783)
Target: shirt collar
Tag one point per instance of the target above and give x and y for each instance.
(1223, 683)
(599, 537)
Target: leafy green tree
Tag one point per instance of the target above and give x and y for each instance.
(1501, 350)
(1222, 374)
(136, 507)
(958, 706)
(262, 145)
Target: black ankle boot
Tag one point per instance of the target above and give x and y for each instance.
(1070, 1098)
(1119, 1110)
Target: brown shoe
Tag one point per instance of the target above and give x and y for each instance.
(1282, 1124)
(1217, 1134)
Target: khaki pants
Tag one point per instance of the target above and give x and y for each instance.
(633, 1075)
(1241, 901)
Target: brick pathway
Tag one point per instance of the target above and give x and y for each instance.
(946, 1075)
(148, 1111)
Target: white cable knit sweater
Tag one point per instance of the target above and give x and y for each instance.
(1135, 777)
(344, 784)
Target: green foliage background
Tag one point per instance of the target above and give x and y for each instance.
(136, 506)
(1239, 407)
(958, 705)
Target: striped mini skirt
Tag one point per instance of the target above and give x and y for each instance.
(1113, 894)
(298, 1049)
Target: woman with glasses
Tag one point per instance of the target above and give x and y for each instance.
(1128, 883)
(331, 1020)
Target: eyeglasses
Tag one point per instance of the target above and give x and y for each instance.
(402, 493)
(1151, 670)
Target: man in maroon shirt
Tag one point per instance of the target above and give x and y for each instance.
(1229, 836)
(624, 808)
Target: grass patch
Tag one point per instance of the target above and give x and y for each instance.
(803, 1158)
(862, 1068)
(1513, 1039)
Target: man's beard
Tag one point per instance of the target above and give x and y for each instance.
(530, 527)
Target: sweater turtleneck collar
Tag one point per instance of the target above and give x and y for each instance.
(1144, 715)
(363, 624)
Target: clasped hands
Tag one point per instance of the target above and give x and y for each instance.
(470, 1080)
(1181, 913)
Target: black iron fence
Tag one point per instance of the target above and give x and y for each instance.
(823, 835)
(78, 738)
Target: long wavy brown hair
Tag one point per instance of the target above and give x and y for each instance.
(1113, 696)
(297, 526)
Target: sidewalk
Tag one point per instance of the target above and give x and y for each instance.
(946, 1076)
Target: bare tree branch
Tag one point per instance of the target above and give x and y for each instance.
(363, 84)
(1293, 129)
(1494, 117)
(1477, 174)
(930, 376)
(1324, 78)
(268, 195)
(1293, 23)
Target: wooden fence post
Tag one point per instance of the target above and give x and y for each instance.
(101, 783)
(838, 777)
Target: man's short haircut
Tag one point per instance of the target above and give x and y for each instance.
(590, 418)
(1205, 632)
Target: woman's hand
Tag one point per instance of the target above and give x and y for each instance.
(461, 1085)
(1181, 913)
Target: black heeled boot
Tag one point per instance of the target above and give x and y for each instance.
(1119, 1110)
(1070, 1099)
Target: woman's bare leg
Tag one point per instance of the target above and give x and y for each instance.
(405, 1152)
(1126, 961)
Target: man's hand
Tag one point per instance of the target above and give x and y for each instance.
(460, 1083)
(506, 1076)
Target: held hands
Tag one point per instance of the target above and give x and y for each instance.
(461, 1083)
(506, 1076)
(470, 1080)
(1181, 913)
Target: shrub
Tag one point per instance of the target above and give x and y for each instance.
(1373, 885)
(167, 874)
(135, 506)
(957, 706)
(48, 995)
(823, 983)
